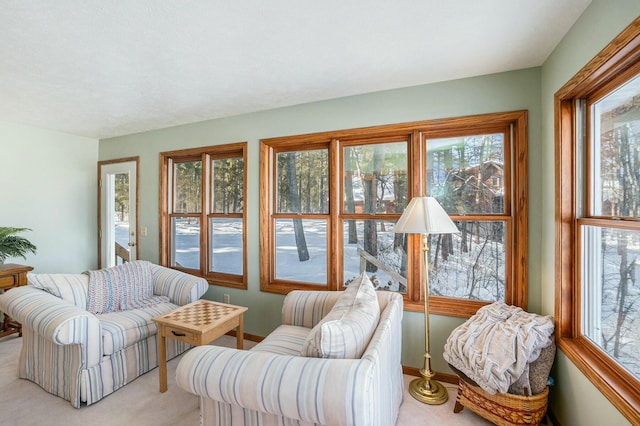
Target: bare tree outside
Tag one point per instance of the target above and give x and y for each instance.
(188, 187)
(466, 175)
(375, 184)
(187, 201)
(226, 215)
(122, 196)
(302, 194)
(228, 185)
(610, 272)
(206, 195)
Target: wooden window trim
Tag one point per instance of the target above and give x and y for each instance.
(615, 383)
(204, 154)
(341, 215)
(137, 230)
(514, 126)
(268, 281)
(517, 290)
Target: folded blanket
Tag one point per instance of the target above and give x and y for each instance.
(122, 287)
(496, 345)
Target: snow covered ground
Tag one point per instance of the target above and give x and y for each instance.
(451, 279)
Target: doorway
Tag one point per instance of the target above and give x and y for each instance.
(118, 211)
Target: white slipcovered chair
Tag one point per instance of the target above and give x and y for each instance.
(294, 378)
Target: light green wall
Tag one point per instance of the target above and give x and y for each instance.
(48, 184)
(575, 401)
(519, 90)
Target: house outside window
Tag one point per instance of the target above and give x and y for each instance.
(465, 173)
(598, 221)
(203, 222)
(330, 202)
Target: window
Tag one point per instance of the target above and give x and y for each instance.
(374, 192)
(203, 223)
(598, 221)
(330, 202)
(301, 218)
(466, 174)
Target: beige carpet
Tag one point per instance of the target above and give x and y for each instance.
(140, 403)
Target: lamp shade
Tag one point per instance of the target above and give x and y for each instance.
(424, 215)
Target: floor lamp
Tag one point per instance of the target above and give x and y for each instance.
(424, 215)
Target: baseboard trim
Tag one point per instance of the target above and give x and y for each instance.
(250, 337)
(441, 377)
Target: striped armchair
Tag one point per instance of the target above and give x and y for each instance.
(272, 384)
(83, 357)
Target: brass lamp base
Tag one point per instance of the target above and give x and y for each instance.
(428, 391)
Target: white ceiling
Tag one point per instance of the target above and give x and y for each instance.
(102, 68)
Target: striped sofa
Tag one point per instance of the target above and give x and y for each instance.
(83, 357)
(273, 384)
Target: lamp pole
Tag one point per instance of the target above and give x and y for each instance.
(426, 389)
(425, 216)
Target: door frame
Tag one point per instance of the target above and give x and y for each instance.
(101, 164)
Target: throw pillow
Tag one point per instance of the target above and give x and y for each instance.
(122, 287)
(69, 287)
(346, 330)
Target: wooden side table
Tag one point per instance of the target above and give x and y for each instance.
(197, 323)
(12, 275)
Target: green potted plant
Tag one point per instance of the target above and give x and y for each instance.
(12, 245)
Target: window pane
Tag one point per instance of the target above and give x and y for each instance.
(121, 205)
(186, 242)
(372, 245)
(226, 245)
(303, 181)
(301, 250)
(469, 265)
(611, 301)
(228, 185)
(616, 152)
(466, 173)
(187, 185)
(375, 178)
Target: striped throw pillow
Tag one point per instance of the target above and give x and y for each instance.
(346, 330)
(122, 287)
(70, 287)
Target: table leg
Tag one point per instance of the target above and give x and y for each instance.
(240, 333)
(162, 361)
(9, 326)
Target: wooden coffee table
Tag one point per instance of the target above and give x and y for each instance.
(197, 324)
